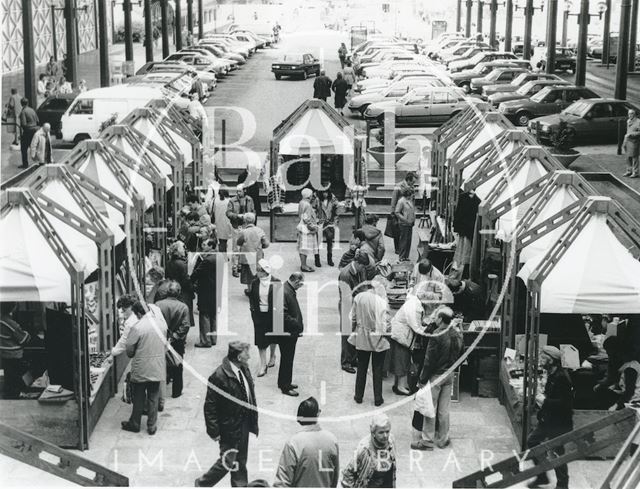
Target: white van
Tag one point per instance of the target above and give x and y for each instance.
(91, 109)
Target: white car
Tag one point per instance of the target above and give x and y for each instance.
(382, 83)
(385, 70)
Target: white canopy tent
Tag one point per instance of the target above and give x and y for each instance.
(596, 273)
(315, 132)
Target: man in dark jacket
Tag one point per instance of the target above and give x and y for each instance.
(351, 276)
(293, 326)
(176, 315)
(467, 298)
(443, 350)
(408, 183)
(374, 241)
(204, 279)
(555, 416)
(230, 414)
(322, 87)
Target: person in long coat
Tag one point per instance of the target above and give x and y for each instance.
(251, 242)
(205, 280)
(13, 114)
(322, 87)
(177, 269)
(340, 89)
(307, 230)
(261, 304)
(406, 214)
(327, 212)
(230, 414)
(349, 75)
(632, 144)
(224, 230)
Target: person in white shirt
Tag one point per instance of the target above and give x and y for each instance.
(424, 271)
(196, 110)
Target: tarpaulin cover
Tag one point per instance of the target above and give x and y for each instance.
(595, 274)
(29, 268)
(315, 132)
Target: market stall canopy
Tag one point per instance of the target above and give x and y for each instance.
(30, 268)
(314, 127)
(484, 129)
(595, 273)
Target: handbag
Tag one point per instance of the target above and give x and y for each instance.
(392, 228)
(302, 228)
(127, 391)
(329, 233)
(5, 112)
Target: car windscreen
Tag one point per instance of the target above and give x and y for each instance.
(292, 58)
(578, 108)
(539, 97)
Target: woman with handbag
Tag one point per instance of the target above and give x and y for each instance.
(327, 211)
(307, 230)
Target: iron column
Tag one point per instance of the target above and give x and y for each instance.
(528, 19)
(581, 62)
(623, 50)
(103, 34)
(508, 28)
(200, 19)
(633, 35)
(164, 19)
(552, 18)
(148, 31)
(565, 26)
(479, 18)
(493, 7)
(71, 34)
(467, 25)
(459, 16)
(30, 91)
(178, 25)
(128, 34)
(606, 34)
(190, 16)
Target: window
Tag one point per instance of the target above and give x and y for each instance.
(440, 98)
(573, 95)
(83, 106)
(552, 97)
(507, 75)
(419, 100)
(602, 110)
(620, 110)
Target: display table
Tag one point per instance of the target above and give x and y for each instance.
(512, 400)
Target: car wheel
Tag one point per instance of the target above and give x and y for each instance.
(363, 108)
(80, 137)
(523, 118)
(278, 77)
(305, 75)
(571, 136)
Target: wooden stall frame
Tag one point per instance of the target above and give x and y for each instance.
(179, 122)
(281, 131)
(135, 224)
(623, 223)
(93, 227)
(23, 197)
(525, 233)
(149, 153)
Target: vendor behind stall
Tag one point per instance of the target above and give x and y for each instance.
(424, 271)
(467, 298)
(12, 341)
(622, 383)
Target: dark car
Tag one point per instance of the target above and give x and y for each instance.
(52, 109)
(549, 100)
(463, 78)
(526, 91)
(301, 65)
(565, 60)
(588, 120)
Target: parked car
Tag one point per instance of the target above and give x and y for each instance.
(457, 66)
(389, 68)
(359, 103)
(178, 67)
(589, 120)
(549, 100)
(199, 61)
(228, 63)
(518, 49)
(425, 106)
(497, 76)
(526, 91)
(296, 64)
(565, 60)
(517, 82)
(467, 54)
(382, 83)
(224, 46)
(216, 51)
(463, 78)
(52, 109)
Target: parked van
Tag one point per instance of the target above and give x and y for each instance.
(91, 109)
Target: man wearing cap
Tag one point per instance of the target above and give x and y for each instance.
(555, 416)
(311, 457)
(230, 414)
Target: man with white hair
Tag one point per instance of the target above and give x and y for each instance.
(443, 351)
(40, 148)
(251, 242)
(238, 206)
